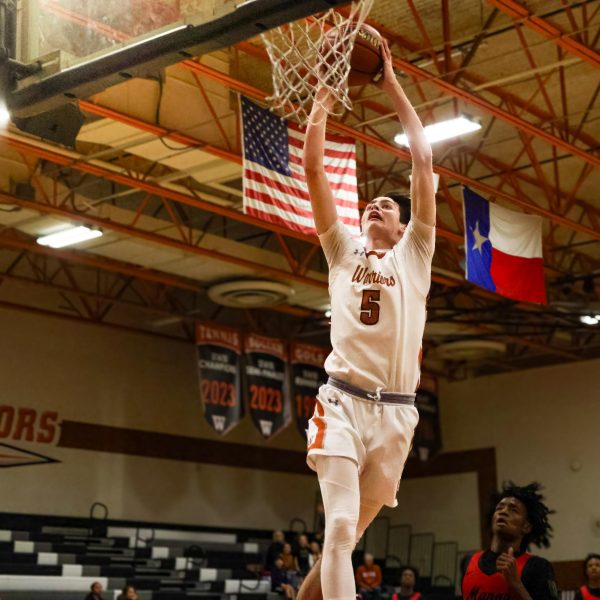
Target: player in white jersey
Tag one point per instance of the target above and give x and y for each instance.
(360, 434)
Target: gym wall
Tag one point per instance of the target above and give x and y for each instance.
(544, 426)
(55, 371)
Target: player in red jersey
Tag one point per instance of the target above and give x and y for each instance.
(591, 590)
(408, 582)
(506, 571)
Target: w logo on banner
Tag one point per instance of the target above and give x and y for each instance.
(218, 423)
(266, 427)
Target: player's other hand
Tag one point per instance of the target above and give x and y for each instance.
(507, 565)
(324, 98)
(389, 77)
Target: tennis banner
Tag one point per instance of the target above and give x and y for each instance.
(265, 367)
(219, 357)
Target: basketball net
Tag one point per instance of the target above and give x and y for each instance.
(305, 58)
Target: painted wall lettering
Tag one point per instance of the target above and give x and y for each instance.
(27, 424)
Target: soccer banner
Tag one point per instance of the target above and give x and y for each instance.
(219, 358)
(308, 375)
(265, 383)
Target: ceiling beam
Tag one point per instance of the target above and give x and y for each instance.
(561, 38)
(337, 127)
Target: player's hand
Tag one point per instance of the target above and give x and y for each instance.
(324, 98)
(389, 77)
(507, 565)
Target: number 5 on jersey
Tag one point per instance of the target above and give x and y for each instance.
(369, 307)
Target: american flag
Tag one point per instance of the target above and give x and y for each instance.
(274, 184)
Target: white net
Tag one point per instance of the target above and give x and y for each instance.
(313, 53)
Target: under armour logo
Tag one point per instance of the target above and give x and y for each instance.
(336, 401)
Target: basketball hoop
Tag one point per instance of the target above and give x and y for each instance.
(305, 57)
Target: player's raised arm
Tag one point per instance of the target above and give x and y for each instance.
(422, 190)
(321, 196)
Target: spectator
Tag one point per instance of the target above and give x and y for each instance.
(128, 593)
(280, 581)
(368, 578)
(315, 554)
(96, 593)
(275, 549)
(408, 582)
(289, 560)
(303, 554)
(591, 589)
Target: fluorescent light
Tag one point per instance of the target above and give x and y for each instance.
(590, 319)
(443, 130)
(4, 115)
(68, 237)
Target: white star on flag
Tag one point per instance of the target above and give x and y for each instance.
(480, 239)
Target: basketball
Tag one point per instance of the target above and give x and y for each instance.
(366, 61)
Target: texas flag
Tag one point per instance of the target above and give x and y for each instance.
(504, 250)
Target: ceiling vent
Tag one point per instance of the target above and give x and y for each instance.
(469, 350)
(250, 293)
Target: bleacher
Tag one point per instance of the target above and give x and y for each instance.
(58, 558)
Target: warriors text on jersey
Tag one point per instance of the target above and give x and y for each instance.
(378, 308)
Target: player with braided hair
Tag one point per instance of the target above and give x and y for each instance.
(507, 570)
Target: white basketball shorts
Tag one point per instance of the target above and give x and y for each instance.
(376, 435)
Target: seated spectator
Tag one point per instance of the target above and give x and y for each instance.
(408, 582)
(591, 589)
(96, 593)
(368, 578)
(275, 549)
(280, 581)
(289, 560)
(303, 554)
(315, 554)
(128, 593)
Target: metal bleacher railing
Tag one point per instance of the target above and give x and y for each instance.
(436, 562)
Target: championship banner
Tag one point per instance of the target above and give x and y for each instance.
(428, 439)
(265, 383)
(308, 375)
(219, 357)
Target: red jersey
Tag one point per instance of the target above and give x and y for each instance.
(477, 585)
(586, 594)
(415, 596)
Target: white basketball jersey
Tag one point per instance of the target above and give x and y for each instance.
(378, 308)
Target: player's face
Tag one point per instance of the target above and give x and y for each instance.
(407, 579)
(382, 216)
(592, 568)
(510, 519)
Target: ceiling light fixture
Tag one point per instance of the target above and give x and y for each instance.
(69, 237)
(590, 319)
(443, 130)
(4, 115)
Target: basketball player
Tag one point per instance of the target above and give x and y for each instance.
(506, 569)
(408, 582)
(360, 434)
(591, 590)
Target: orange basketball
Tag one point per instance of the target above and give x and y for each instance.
(366, 61)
